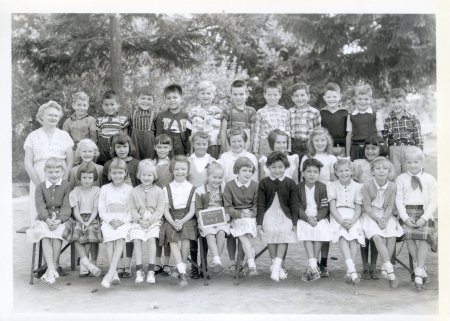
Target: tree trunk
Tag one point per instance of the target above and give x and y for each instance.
(116, 56)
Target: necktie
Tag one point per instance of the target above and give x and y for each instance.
(415, 182)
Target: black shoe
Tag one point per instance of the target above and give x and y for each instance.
(194, 273)
(41, 270)
(60, 271)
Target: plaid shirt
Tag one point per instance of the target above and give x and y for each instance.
(303, 121)
(268, 119)
(404, 130)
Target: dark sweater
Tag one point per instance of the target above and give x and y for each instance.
(336, 123)
(235, 199)
(55, 200)
(321, 198)
(287, 194)
(363, 125)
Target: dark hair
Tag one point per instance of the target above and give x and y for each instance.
(121, 139)
(238, 84)
(299, 86)
(87, 168)
(277, 156)
(237, 131)
(397, 93)
(173, 88)
(163, 139)
(273, 83)
(109, 94)
(273, 137)
(377, 141)
(179, 159)
(144, 91)
(243, 162)
(311, 162)
(331, 86)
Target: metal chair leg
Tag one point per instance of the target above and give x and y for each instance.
(72, 256)
(32, 264)
(203, 262)
(238, 263)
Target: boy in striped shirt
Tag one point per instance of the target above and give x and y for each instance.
(109, 125)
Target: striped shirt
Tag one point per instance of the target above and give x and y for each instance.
(404, 130)
(142, 119)
(303, 121)
(268, 119)
(108, 126)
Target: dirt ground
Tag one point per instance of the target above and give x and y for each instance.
(255, 295)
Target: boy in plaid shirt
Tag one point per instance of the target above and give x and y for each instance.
(270, 117)
(304, 118)
(401, 129)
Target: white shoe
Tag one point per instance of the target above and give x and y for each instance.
(282, 274)
(115, 279)
(106, 282)
(84, 271)
(275, 275)
(151, 277)
(139, 276)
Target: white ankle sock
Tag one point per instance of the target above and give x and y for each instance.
(277, 262)
(251, 263)
(389, 269)
(312, 263)
(350, 266)
(84, 260)
(181, 267)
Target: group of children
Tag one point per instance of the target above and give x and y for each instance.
(279, 174)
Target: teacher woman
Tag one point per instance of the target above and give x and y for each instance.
(43, 143)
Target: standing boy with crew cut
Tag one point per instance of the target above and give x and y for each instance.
(304, 118)
(142, 124)
(270, 117)
(334, 118)
(174, 121)
(108, 125)
(362, 123)
(401, 128)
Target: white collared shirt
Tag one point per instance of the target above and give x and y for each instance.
(280, 179)
(239, 184)
(180, 194)
(48, 184)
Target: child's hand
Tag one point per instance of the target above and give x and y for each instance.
(312, 220)
(245, 213)
(50, 224)
(259, 229)
(347, 223)
(409, 222)
(143, 223)
(115, 223)
(381, 223)
(420, 222)
(252, 213)
(177, 225)
(227, 217)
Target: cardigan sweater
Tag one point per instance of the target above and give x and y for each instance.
(53, 199)
(287, 194)
(321, 198)
(369, 193)
(235, 199)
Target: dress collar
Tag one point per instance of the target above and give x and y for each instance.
(239, 184)
(384, 187)
(280, 179)
(367, 111)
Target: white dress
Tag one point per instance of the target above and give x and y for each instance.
(113, 204)
(44, 148)
(277, 228)
(346, 197)
(305, 232)
(370, 227)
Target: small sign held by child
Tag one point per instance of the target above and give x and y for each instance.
(211, 217)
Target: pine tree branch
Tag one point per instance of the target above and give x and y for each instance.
(70, 42)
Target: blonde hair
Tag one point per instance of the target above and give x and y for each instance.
(363, 90)
(319, 131)
(213, 166)
(147, 165)
(81, 95)
(117, 163)
(86, 143)
(342, 162)
(47, 105)
(381, 159)
(411, 151)
(206, 84)
(54, 162)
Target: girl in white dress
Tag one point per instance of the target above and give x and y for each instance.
(116, 217)
(277, 211)
(378, 222)
(345, 200)
(313, 226)
(147, 208)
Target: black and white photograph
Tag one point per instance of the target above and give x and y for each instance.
(218, 163)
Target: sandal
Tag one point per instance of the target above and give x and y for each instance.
(158, 269)
(127, 273)
(166, 270)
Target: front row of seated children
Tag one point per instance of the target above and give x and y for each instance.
(277, 208)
